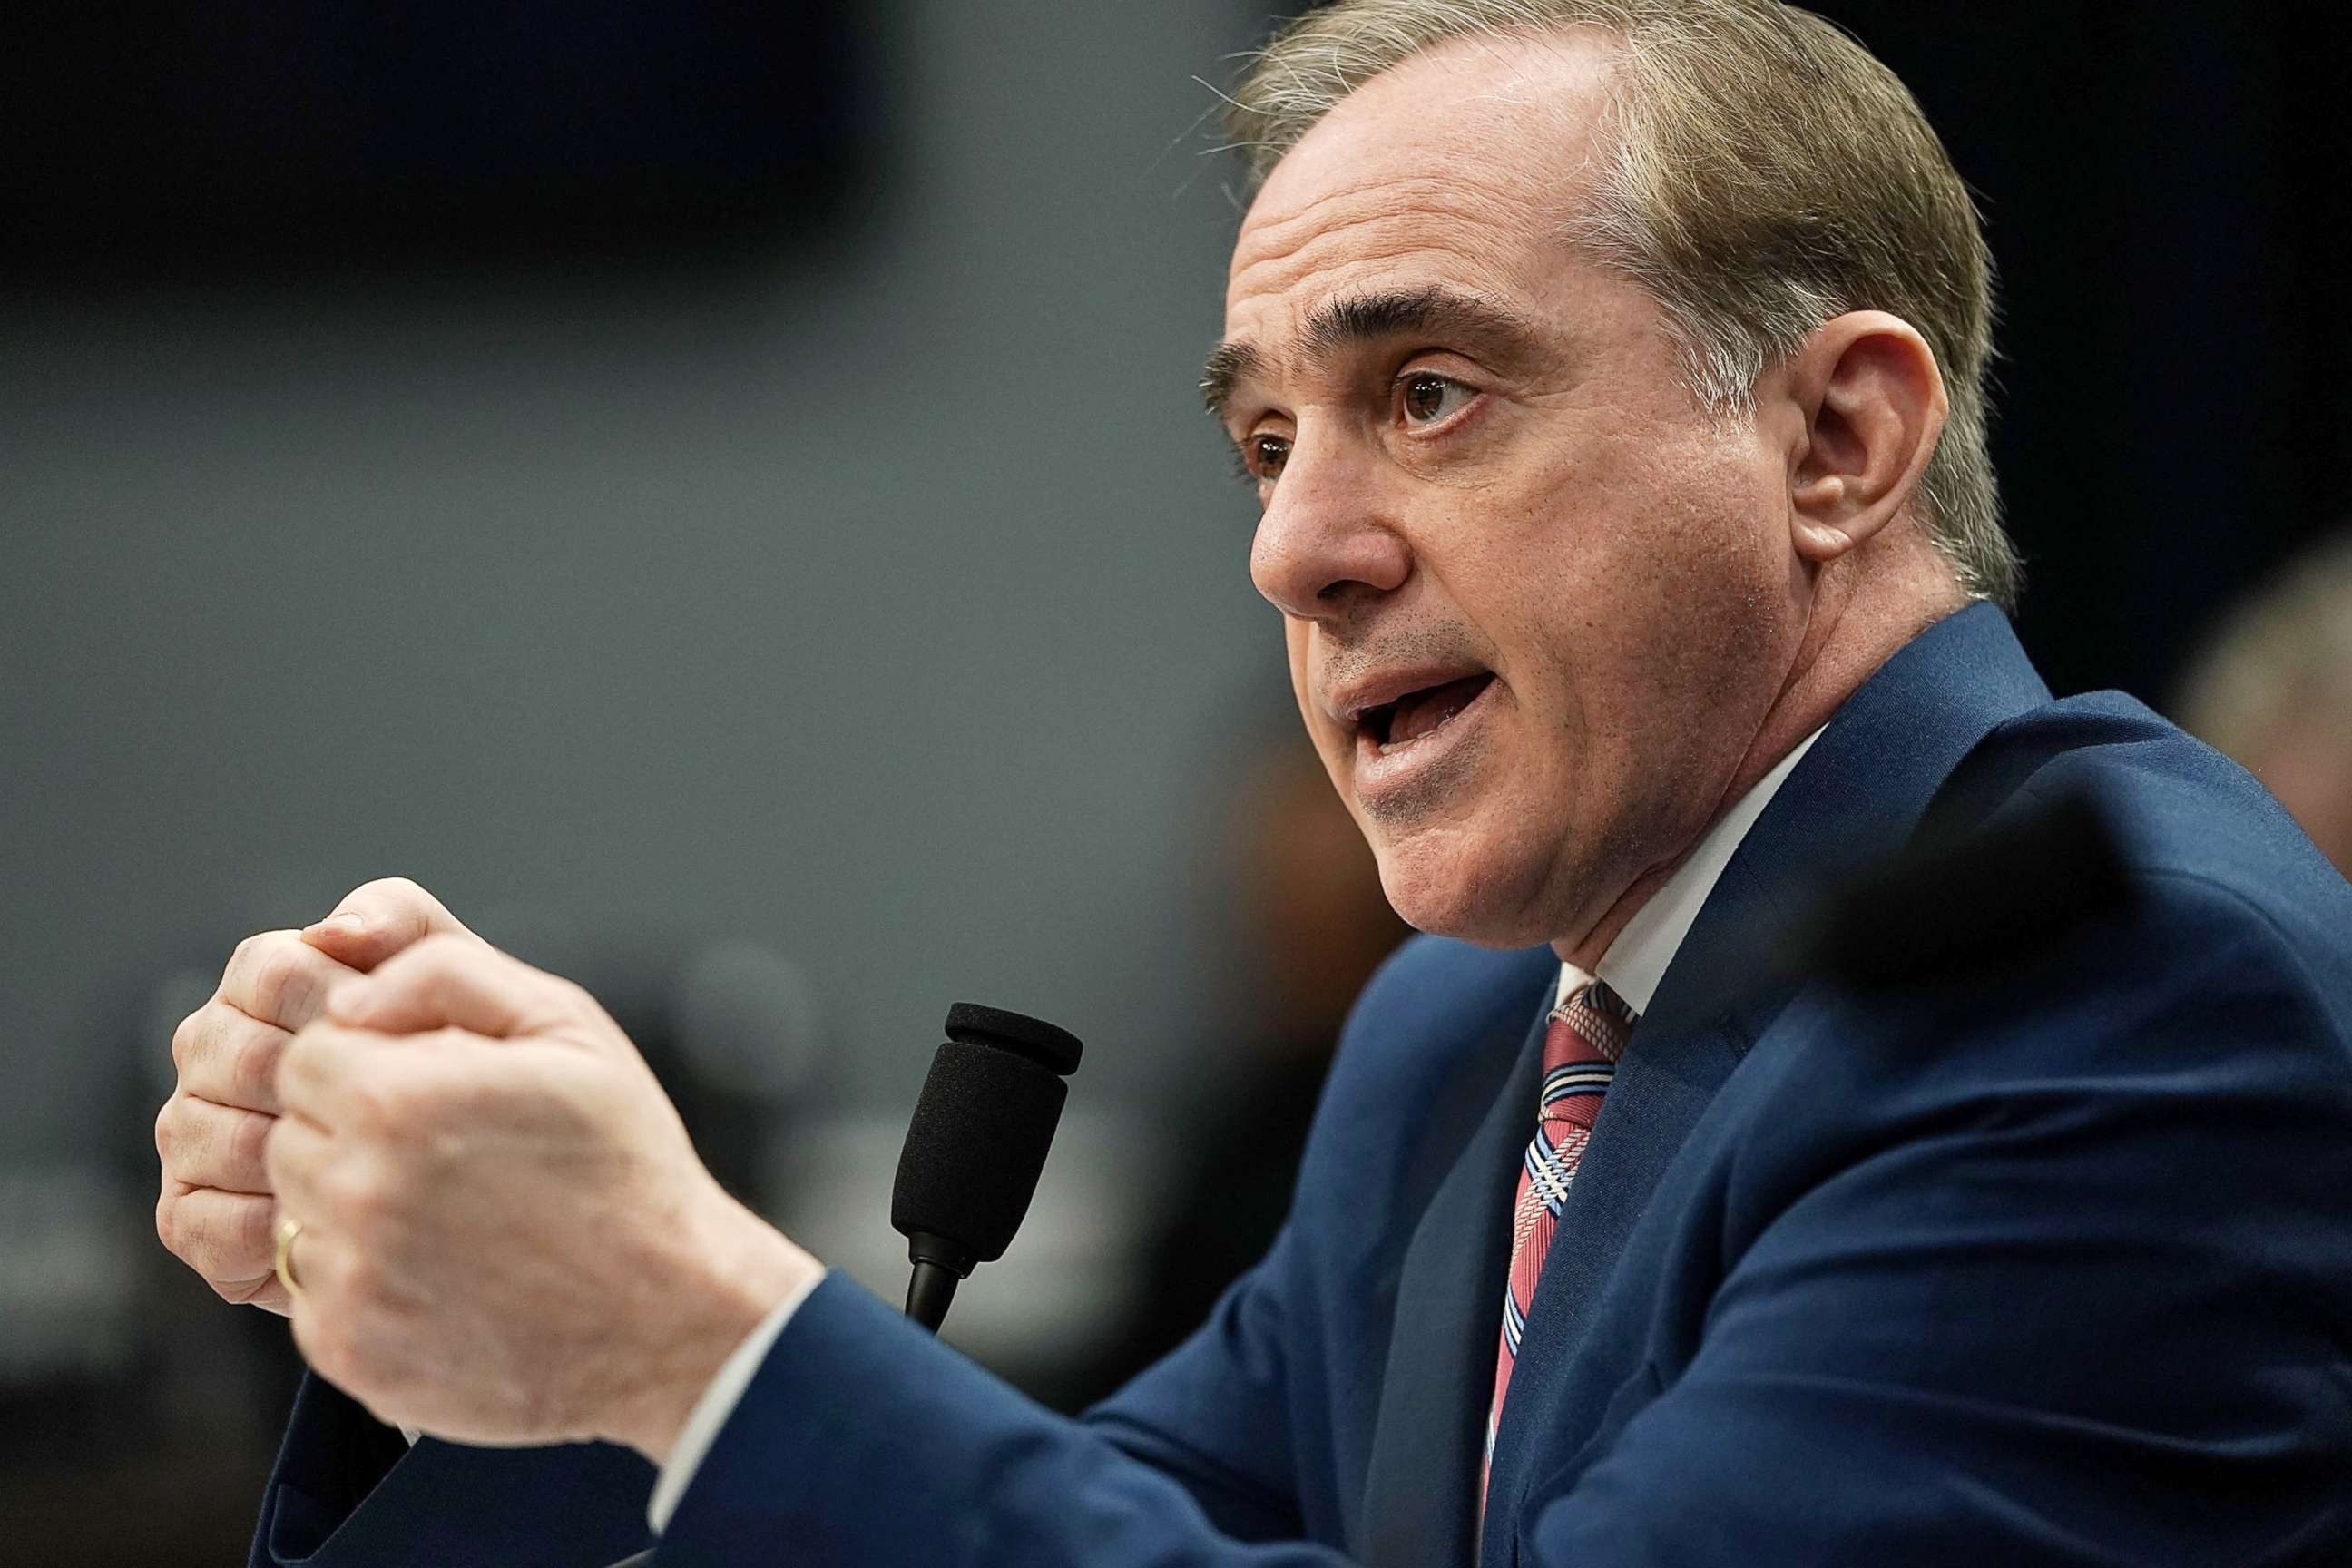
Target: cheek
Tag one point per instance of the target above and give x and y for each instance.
(1329, 744)
(1622, 586)
(1294, 645)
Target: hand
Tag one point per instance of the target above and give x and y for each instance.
(216, 1211)
(507, 1236)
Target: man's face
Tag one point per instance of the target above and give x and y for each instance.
(1537, 601)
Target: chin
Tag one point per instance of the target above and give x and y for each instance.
(1447, 889)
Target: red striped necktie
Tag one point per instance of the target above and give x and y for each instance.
(1581, 1043)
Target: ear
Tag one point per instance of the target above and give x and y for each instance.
(1869, 405)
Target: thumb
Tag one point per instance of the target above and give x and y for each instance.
(450, 982)
(378, 918)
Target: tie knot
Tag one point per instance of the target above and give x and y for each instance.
(1590, 1026)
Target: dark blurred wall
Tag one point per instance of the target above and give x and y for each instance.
(256, 138)
(2165, 187)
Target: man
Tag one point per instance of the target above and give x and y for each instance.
(1610, 375)
(2271, 689)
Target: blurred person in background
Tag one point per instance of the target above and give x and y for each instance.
(2272, 686)
(1309, 926)
(1611, 379)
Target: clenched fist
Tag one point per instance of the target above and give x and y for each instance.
(216, 1209)
(505, 1235)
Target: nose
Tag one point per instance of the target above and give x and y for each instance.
(1323, 542)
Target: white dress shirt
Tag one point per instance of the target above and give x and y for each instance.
(1636, 961)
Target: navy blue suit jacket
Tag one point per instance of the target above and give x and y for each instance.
(2056, 1269)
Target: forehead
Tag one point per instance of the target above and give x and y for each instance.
(1457, 167)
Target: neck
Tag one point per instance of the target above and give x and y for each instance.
(1898, 587)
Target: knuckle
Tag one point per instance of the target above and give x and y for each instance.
(255, 1066)
(428, 1102)
(251, 1240)
(167, 1130)
(368, 1200)
(239, 982)
(437, 949)
(249, 1143)
(575, 995)
(187, 1037)
(401, 894)
(273, 1153)
(350, 1188)
(192, 1239)
(360, 1205)
(206, 1244)
(283, 984)
(167, 1223)
(385, 1104)
(360, 1281)
(438, 959)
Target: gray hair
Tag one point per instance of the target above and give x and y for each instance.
(1768, 175)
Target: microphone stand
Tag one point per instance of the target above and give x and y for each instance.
(1014, 1059)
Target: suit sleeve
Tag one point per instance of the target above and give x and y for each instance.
(1214, 1414)
(348, 1493)
(860, 1440)
(863, 1440)
(2072, 1289)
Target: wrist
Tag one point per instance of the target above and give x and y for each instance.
(731, 1271)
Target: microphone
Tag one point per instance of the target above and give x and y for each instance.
(976, 1146)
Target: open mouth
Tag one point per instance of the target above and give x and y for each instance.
(1392, 725)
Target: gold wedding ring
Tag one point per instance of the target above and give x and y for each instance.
(289, 1227)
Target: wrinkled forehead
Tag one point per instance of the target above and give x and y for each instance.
(1474, 153)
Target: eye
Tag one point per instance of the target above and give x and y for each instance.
(1263, 457)
(1428, 398)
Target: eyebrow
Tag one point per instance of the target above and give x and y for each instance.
(1436, 311)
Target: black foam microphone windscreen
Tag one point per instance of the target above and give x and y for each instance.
(978, 1140)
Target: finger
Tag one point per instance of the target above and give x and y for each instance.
(331, 1327)
(379, 919)
(225, 1236)
(452, 981)
(281, 979)
(298, 1154)
(228, 1057)
(332, 1075)
(209, 1145)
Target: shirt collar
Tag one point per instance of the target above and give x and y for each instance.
(1637, 960)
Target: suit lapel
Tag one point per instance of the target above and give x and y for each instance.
(1856, 797)
(1420, 1483)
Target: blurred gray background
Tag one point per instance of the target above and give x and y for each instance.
(867, 599)
(830, 582)
(874, 593)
